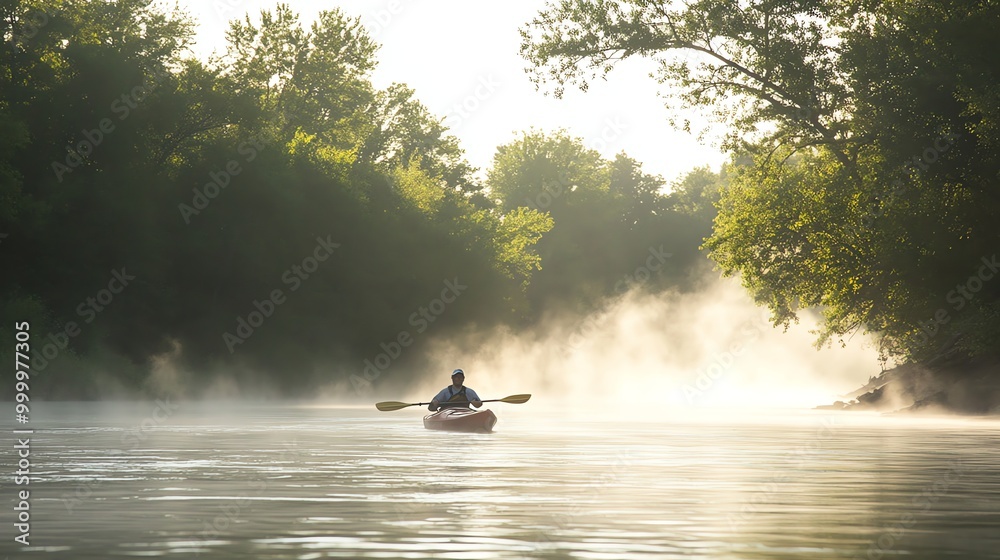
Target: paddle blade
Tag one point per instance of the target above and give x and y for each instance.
(391, 405)
(516, 399)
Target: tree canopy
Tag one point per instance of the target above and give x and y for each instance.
(269, 213)
(871, 132)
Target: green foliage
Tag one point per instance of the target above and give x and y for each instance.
(871, 130)
(536, 163)
(213, 182)
(284, 141)
(517, 231)
(607, 216)
(315, 81)
(744, 62)
(698, 192)
(813, 238)
(399, 129)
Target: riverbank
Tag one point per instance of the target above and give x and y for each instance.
(971, 387)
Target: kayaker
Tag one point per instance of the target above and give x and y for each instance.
(455, 395)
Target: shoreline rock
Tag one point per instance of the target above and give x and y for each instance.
(971, 388)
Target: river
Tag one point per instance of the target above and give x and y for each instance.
(297, 481)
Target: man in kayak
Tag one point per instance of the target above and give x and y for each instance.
(455, 395)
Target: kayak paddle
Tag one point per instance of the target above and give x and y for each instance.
(394, 405)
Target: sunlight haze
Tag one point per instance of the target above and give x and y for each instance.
(333, 279)
(463, 61)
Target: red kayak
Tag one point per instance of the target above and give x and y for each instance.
(461, 420)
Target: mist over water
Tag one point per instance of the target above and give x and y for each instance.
(275, 480)
(712, 348)
(653, 431)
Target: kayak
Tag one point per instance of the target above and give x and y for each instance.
(461, 420)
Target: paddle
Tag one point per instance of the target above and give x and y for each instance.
(394, 405)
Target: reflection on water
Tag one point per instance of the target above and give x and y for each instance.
(268, 481)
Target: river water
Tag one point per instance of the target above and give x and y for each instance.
(301, 482)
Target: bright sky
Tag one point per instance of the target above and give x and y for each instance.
(463, 61)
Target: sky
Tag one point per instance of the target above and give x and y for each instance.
(463, 61)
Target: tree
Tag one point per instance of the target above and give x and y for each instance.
(607, 216)
(639, 193)
(748, 63)
(272, 188)
(400, 129)
(868, 127)
(311, 81)
(698, 192)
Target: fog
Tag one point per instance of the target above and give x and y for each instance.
(710, 349)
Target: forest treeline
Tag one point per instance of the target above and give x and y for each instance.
(872, 130)
(271, 214)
